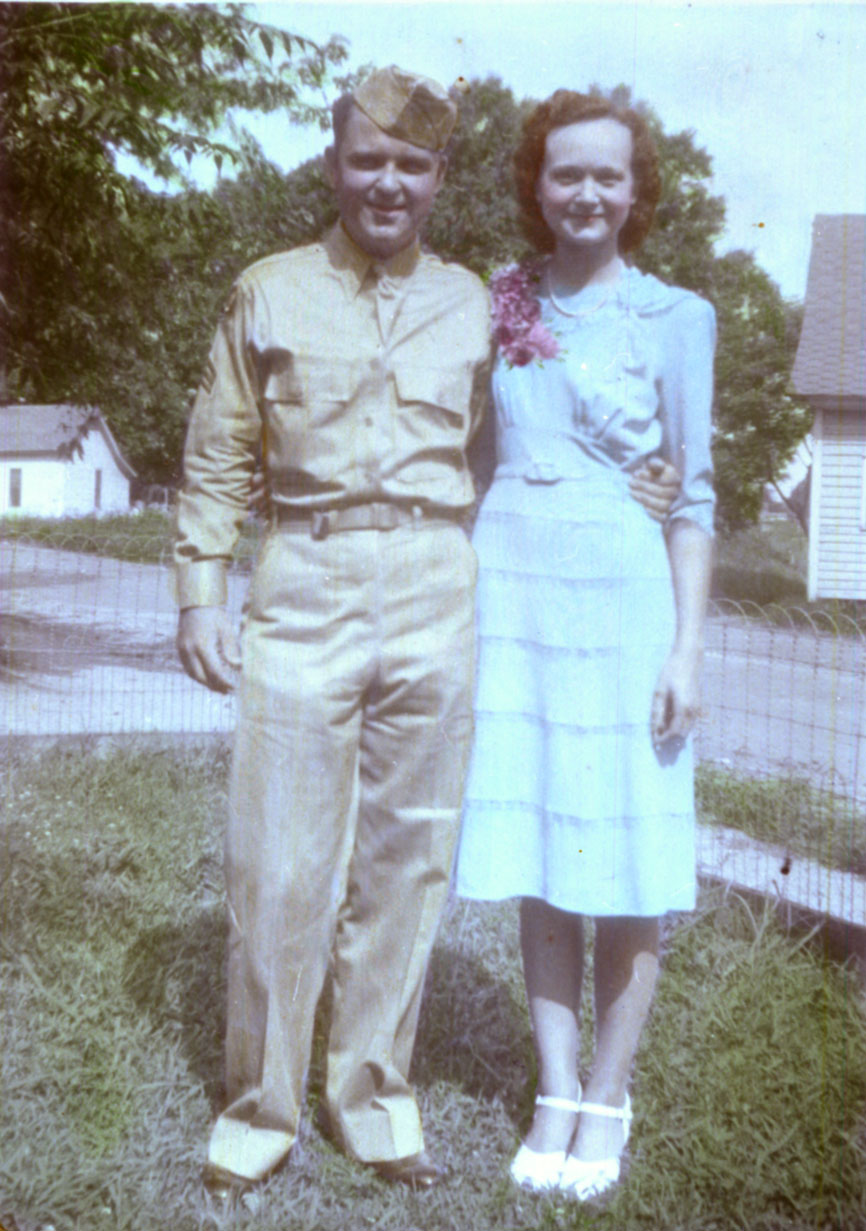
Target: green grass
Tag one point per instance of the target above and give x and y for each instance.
(146, 538)
(750, 1085)
(767, 564)
(787, 812)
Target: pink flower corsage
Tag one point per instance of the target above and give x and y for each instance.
(517, 326)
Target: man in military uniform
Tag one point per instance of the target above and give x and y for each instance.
(359, 367)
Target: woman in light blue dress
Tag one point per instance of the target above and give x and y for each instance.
(580, 797)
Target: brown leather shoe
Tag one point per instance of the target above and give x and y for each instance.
(418, 1171)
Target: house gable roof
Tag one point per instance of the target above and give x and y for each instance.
(57, 429)
(831, 356)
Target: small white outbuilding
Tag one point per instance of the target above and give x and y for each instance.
(60, 461)
(830, 370)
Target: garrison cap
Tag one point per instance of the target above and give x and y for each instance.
(408, 106)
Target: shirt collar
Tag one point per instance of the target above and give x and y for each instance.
(352, 264)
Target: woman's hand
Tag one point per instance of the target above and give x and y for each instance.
(676, 700)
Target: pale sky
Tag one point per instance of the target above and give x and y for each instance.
(776, 93)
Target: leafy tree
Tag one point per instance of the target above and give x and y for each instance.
(759, 421)
(474, 219)
(680, 247)
(78, 83)
(191, 248)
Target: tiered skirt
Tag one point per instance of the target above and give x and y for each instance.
(567, 799)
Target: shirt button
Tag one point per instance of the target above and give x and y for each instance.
(368, 420)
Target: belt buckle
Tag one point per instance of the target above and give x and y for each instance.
(321, 524)
(541, 472)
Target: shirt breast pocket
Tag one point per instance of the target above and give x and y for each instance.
(320, 386)
(432, 418)
(305, 400)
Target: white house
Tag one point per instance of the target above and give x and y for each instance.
(60, 461)
(830, 370)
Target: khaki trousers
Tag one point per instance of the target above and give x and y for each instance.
(353, 741)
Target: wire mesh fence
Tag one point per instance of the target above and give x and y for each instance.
(781, 750)
(87, 649)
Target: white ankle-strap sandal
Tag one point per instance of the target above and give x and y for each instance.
(582, 1180)
(541, 1171)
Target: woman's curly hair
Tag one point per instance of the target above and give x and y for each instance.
(568, 107)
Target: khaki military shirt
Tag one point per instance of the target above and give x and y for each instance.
(361, 381)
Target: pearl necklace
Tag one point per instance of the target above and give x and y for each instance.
(566, 311)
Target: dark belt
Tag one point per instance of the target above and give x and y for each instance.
(319, 523)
